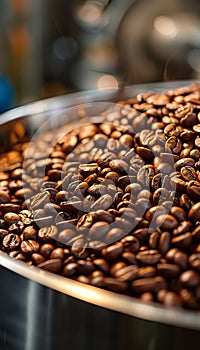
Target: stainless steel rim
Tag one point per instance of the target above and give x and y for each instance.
(116, 302)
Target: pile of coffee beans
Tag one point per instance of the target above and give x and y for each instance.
(113, 203)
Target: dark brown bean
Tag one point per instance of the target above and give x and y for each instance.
(113, 251)
(189, 279)
(29, 247)
(52, 265)
(11, 242)
(148, 257)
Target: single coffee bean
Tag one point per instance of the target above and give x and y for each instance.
(113, 251)
(52, 265)
(193, 189)
(172, 299)
(4, 197)
(103, 203)
(194, 261)
(194, 213)
(119, 166)
(114, 284)
(188, 173)
(148, 257)
(189, 278)
(166, 222)
(79, 249)
(147, 271)
(29, 247)
(37, 258)
(168, 270)
(11, 242)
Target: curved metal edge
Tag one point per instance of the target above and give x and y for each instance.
(100, 297)
(113, 301)
(64, 101)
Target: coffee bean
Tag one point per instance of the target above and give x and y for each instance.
(189, 279)
(11, 242)
(37, 258)
(102, 215)
(194, 261)
(101, 264)
(30, 246)
(178, 213)
(194, 213)
(103, 203)
(113, 251)
(172, 299)
(118, 166)
(148, 257)
(52, 265)
(144, 285)
(147, 271)
(98, 230)
(166, 222)
(168, 270)
(114, 284)
(85, 221)
(193, 189)
(4, 197)
(114, 234)
(79, 249)
(177, 257)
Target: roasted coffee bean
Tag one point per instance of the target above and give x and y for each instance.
(177, 257)
(113, 251)
(168, 270)
(183, 241)
(119, 166)
(29, 232)
(114, 284)
(193, 189)
(194, 261)
(85, 267)
(127, 273)
(103, 203)
(29, 247)
(185, 202)
(147, 271)
(164, 242)
(166, 222)
(52, 265)
(188, 173)
(194, 213)
(172, 299)
(11, 242)
(37, 258)
(184, 162)
(150, 284)
(11, 218)
(79, 250)
(178, 213)
(189, 279)
(85, 221)
(3, 233)
(48, 234)
(148, 257)
(114, 235)
(102, 215)
(4, 197)
(101, 264)
(195, 234)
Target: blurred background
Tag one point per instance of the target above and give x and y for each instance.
(53, 47)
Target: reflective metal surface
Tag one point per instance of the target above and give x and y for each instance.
(40, 310)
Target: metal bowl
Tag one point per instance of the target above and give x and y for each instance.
(40, 310)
